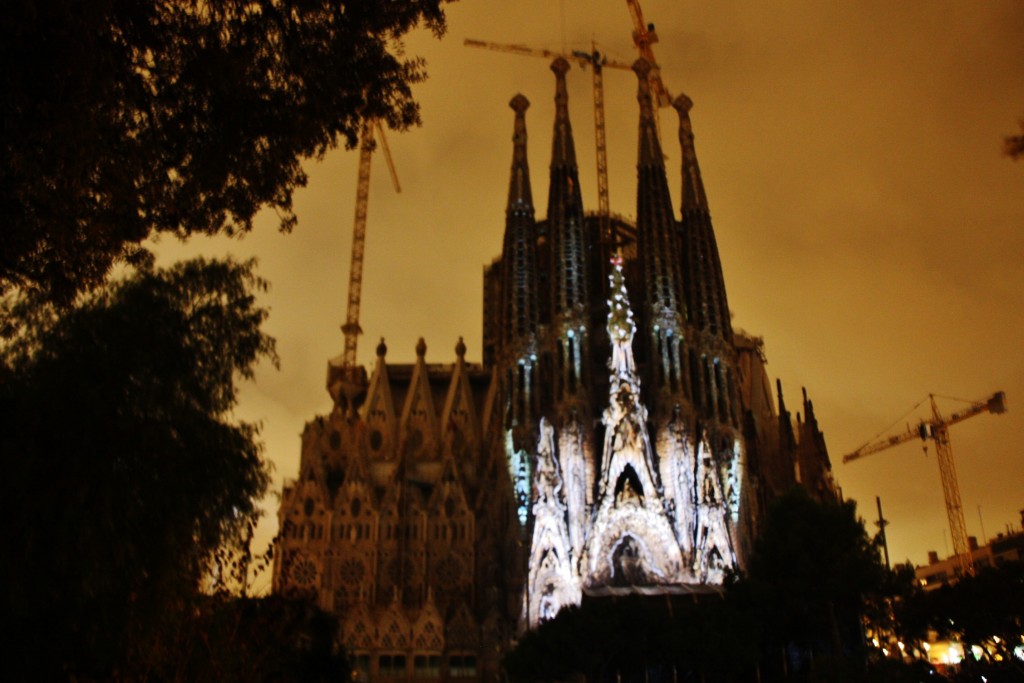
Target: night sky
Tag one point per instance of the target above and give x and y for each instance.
(869, 227)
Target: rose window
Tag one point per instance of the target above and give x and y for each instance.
(303, 571)
(352, 572)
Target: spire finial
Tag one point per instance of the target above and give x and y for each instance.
(382, 348)
(519, 104)
(421, 348)
(560, 66)
(460, 349)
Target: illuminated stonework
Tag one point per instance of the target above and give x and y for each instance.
(631, 542)
(662, 518)
(553, 582)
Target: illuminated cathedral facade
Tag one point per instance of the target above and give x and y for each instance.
(618, 437)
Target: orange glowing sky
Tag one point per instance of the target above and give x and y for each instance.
(869, 228)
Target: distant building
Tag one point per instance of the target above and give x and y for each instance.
(1003, 548)
(618, 437)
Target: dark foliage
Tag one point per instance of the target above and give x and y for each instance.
(124, 119)
(125, 473)
(812, 571)
(254, 640)
(639, 638)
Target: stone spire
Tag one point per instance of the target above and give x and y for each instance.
(518, 348)
(812, 456)
(694, 198)
(520, 199)
(658, 247)
(787, 440)
(703, 285)
(713, 386)
(569, 250)
(519, 254)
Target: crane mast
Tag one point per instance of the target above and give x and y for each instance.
(342, 373)
(351, 327)
(937, 429)
(603, 203)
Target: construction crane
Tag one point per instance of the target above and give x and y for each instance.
(343, 376)
(644, 36)
(937, 430)
(596, 62)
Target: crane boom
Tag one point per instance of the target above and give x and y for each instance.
(584, 59)
(995, 404)
(937, 429)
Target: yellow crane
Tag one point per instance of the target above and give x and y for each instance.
(644, 36)
(937, 429)
(342, 374)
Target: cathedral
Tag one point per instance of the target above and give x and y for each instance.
(618, 437)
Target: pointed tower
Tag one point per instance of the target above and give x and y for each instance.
(460, 428)
(570, 300)
(378, 413)
(713, 374)
(657, 248)
(419, 433)
(814, 469)
(570, 326)
(518, 352)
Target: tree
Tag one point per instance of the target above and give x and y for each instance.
(702, 637)
(122, 120)
(812, 570)
(125, 472)
(250, 640)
